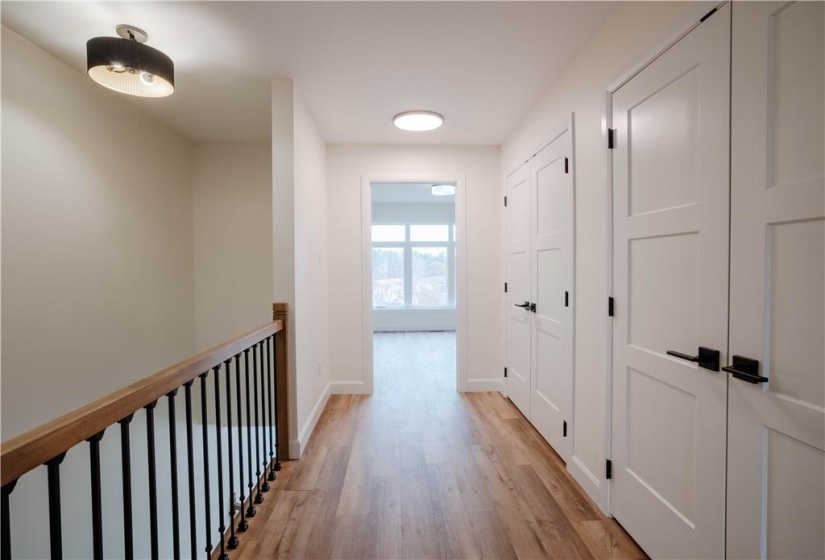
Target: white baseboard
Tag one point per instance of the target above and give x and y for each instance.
(589, 482)
(481, 385)
(348, 388)
(297, 447)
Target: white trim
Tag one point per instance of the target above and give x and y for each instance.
(297, 446)
(348, 388)
(461, 247)
(588, 481)
(484, 386)
(679, 31)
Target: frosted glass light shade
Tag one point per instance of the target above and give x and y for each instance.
(418, 121)
(130, 67)
(443, 190)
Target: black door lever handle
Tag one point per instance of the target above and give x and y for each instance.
(525, 305)
(745, 369)
(708, 358)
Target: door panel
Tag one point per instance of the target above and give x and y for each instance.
(776, 438)
(551, 256)
(518, 289)
(670, 232)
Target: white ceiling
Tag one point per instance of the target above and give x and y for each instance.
(481, 64)
(406, 193)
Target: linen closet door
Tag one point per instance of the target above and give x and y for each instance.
(776, 441)
(670, 232)
(551, 186)
(517, 187)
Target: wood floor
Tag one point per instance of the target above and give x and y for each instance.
(417, 470)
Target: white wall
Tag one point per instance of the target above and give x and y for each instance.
(97, 240)
(347, 164)
(232, 189)
(631, 34)
(311, 329)
(299, 230)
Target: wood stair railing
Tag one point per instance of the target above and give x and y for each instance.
(254, 367)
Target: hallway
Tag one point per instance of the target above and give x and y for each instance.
(418, 470)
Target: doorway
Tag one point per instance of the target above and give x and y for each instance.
(413, 272)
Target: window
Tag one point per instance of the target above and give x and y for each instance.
(413, 265)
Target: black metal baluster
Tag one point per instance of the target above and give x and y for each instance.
(250, 511)
(153, 483)
(258, 496)
(243, 525)
(190, 452)
(55, 524)
(173, 471)
(233, 540)
(221, 526)
(265, 435)
(207, 500)
(5, 512)
(275, 404)
(126, 465)
(271, 398)
(97, 505)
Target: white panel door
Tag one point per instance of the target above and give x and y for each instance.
(551, 254)
(517, 187)
(670, 219)
(776, 442)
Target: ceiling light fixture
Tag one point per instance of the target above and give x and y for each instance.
(126, 65)
(443, 190)
(418, 121)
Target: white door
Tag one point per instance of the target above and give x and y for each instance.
(518, 288)
(776, 442)
(551, 184)
(670, 217)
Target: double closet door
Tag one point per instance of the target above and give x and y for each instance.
(719, 284)
(539, 356)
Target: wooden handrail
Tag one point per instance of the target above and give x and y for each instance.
(33, 448)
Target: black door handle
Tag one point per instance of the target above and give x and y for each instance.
(745, 369)
(525, 305)
(708, 358)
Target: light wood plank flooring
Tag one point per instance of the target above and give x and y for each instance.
(417, 470)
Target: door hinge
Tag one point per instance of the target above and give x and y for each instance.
(505, 201)
(611, 132)
(707, 15)
(608, 470)
(566, 299)
(566, 165)
(505, 287)
(505, 372)
(610, 307)
(564, 429)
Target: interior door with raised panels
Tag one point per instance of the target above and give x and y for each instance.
(670, 234)
(551, 257)
(776, 442)
(518, 288)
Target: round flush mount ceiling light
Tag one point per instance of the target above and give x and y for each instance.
(127, 65)
(443, 190)
(418, 121)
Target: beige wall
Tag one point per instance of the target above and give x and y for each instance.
(232, 190)
(97, 240)
(479, 166)
(629, 36)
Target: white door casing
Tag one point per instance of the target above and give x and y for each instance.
(551, 225)
(776, 441)
(517, 188)
(670, 235)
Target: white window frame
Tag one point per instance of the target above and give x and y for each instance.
(407, 245)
